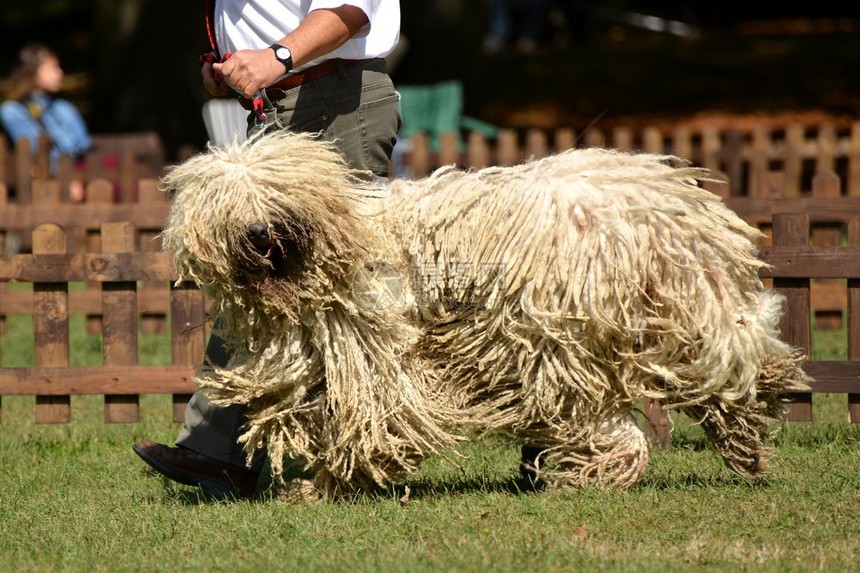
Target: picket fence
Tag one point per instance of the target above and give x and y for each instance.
(121, 267)
(759, 160)
(122, 159)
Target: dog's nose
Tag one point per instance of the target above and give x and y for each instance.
(258, 234)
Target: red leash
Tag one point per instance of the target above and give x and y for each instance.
(257, 101)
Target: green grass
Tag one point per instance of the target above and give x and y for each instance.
(74, 497)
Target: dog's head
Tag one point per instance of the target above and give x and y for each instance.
(268, 221)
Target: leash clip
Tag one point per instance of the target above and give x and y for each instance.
(258, 104)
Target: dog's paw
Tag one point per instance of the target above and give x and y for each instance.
(300, 491)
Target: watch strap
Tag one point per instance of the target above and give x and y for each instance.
(288, 61)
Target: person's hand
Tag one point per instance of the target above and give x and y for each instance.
(249, 71)
(213, 81)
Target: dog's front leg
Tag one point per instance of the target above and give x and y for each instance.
(381, 419)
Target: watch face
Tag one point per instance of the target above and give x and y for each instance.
(282, 53)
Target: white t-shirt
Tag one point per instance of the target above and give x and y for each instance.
(256, 24)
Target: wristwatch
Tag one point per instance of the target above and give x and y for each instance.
(283, 55)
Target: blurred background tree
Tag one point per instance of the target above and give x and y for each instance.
(131, 65)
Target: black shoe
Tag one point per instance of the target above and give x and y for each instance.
(185, 466)
(528, 463)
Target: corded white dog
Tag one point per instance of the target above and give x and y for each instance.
(372, 324)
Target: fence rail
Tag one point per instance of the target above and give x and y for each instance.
(82, 222)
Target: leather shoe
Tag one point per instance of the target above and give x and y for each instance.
(185, 466)
(528, 463)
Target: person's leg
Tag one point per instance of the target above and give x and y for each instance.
(364, 112)
(207, 452)
(205, 420)
(498, 26)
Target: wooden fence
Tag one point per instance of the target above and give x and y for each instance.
(794, 263)
(120, 267)
(759, 160)
(829, 210)
(82, 222)
(811, 262)
(120, 158)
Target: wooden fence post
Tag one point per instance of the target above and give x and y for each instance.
(854, 319)
(4, 199)
(119, 322)
(565, 139)
(733, 160)
(792, 161)
(759, 163)
(507, 152)
(4, 164)
(187, 340)
(622, 138)
(652, 140)
(64, 177)
(478, 150)
(658, 429)
(594, 137)
(449, 148)
(148, 193)
(51, 324)
(99, 192)
(827, 294)
(853, 183)
(711, 149)
(23, 171)
(682, 142)
(825, 159)
(419, 155)
(536, 143)
(792, 230)
(127, 176)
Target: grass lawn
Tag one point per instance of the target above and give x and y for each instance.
(74, 497)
